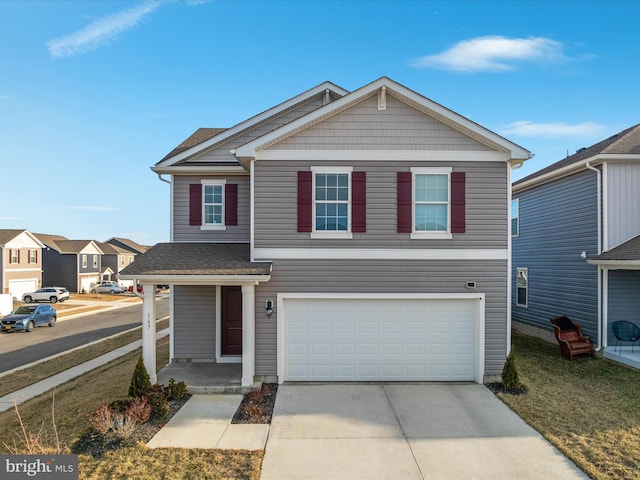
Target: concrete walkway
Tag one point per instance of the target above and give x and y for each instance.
(404, 431)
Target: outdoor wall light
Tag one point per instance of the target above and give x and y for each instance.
(268, 308)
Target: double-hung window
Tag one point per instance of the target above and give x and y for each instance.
(431, 203)
(213, 203)
(515, 217)
(522, 286)
(14, 255)
(95, 261)
(332, 201)
(33, 256)
(84, 261)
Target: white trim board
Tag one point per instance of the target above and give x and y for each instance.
(262, 254)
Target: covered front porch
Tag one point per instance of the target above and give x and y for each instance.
(212, 312)
(620, 270)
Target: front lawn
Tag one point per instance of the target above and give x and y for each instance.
(588, 408)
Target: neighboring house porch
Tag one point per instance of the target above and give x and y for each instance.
(620, 268)
(219, 277)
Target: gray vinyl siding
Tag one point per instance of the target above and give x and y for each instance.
(276, 206)
(183, 232)
(558, 221)
(623, 198)
(194, 322)
(364, 127)
(60, 270)
(221, 152)
(624, 299)
(384, 276)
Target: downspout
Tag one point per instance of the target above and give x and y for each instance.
(600, 293)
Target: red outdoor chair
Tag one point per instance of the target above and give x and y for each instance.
(570, 338)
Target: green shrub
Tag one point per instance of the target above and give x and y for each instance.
(510, 378)
(140, 381)
(157, 400)
(175, 390)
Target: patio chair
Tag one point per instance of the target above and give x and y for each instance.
(570, 338)
(625, 332)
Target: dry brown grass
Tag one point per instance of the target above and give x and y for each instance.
(76, 399)
(588, 408)
(29, 376)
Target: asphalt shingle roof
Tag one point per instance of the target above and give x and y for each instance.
(6, 235)
(624, 142)
(197, 259)
(196, 138)
(629, 250)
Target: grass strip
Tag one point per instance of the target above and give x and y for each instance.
(589, 408)
(28, 376)
(77, 398)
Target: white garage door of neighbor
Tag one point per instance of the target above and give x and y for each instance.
(87, 282)
(19, 287)
(381, 339)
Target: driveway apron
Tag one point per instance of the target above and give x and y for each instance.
(404, 431)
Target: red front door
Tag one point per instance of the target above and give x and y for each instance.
(231, 321)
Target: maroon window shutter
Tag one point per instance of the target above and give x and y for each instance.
(305, 201)
(359, 202)
(195, 204)
(458, 223)
(231, 204)
(405, 223)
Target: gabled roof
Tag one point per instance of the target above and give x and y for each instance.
(75, 246)
(7, 235)
(624, 143)
(129, 244)
(204, 139)
(626, 255)
(50, 240)
(185, 260)
(427, 106)
(109, 249)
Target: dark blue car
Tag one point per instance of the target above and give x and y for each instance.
(27, 317)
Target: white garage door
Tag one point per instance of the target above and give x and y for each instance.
(381, 339)
(18, 287)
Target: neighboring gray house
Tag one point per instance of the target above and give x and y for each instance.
(564, 217)
(128, 245)
(114, 259)
(339, 236)
(74, 264)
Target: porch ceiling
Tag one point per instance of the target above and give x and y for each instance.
(190, 261)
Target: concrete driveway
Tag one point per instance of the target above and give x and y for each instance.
(404, 431)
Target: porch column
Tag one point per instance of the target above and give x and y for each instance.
(149, 330)
(248, 334)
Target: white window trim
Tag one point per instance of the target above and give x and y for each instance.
(203, 225)
(517, 202)
(35, 253)
(324, 233)
(95, 261)
(526, 300)
(430, 171)
(84, 261)
(12, 260)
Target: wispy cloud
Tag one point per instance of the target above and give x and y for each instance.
(91, 208)
(100, 32)
(493, 53)
(526, 128)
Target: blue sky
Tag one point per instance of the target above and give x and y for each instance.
(93, 93)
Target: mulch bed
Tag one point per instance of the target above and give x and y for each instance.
(257, 405)
(497, 387)
(95, 444)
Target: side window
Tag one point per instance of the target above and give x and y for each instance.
(84, 261)
(122, 257)
(515, 217)
(95, 261)
(14, 256)
(213, 205)
(33, 256)
(522, 286)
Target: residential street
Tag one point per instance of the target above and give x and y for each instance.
(19, 348)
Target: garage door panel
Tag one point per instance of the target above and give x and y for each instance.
(379, 339)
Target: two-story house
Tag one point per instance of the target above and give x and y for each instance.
(114, 259)
(20, 262)
(339, 236)
(576, 243)
(73, 264)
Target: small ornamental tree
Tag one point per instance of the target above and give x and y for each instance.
(510, 378)
(140, 381)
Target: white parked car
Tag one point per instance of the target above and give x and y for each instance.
(47, 294)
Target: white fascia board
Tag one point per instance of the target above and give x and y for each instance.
(377, 295)
(194, 169)
(270, 254)
(197, 279)
(249, 149)
(617, 264)
(383, 155)
(252, 121)
(91, 247)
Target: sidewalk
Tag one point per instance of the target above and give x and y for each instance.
(8, 401)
